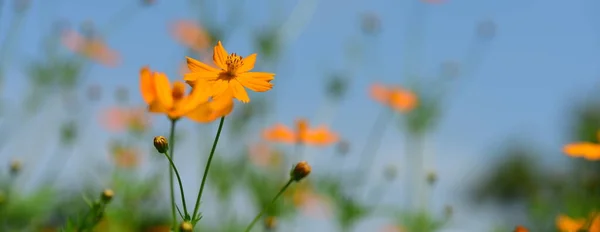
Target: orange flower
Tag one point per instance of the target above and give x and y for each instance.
(567, 224)
(587, 150)
(191, 35)
(232, 75)
(311, 203)
(92, 48)
(521, 229)
(161, 97)
(117, 119)
(320, 136)
(262, 155)
(396, 98)
(126, 157)
(393, 228)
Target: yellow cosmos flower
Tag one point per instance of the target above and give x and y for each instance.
(163, 98)
(231, 77)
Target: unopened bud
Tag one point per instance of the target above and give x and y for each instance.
(390, 172)
(15, 167)
(301, 170)
(431, 178)
(107, 195)
(186, 227)
(270, 223)
(161, 144)
(448, 211)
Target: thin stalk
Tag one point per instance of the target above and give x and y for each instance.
(210, 157)
(180, 184)
(171, 187)
(372, 144)
(268, 206)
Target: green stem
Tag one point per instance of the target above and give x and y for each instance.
(268, 206)
(180, 185)
(171, 187)
(372, 144)
(210, 157)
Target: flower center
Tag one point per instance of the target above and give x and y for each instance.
(233, 62)
(178, 91)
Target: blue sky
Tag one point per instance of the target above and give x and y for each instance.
(543, 57)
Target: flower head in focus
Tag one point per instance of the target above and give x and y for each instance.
(172, 100)
(231, 77)
(587, 150)
(396, 98)
(91, 47)
(320, 136)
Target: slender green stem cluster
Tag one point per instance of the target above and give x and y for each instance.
(162, 146)
(96, 212)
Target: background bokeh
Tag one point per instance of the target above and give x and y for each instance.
(501, 87)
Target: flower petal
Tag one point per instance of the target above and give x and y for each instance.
(147, 85)
(279, 133)
(256, 81)
(238, 91)
(379, 93)
(220, 55)
(197, 66)
(156, 107)
(163, 90)
(321, 136)
(582, 149)
(210, 111)
(199, 95)
(248, 63)
(218, 88)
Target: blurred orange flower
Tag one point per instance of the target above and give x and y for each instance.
(320, 136)
(521, 229)
(587, 150)
(163, 228)
(126, 157)
(311, 203)
(117, 119)
(262, 155)
(566, 224)
(231, 77)
(163, 98)
(191, 35)
(92, 48)
(396, 98)
(393, 228)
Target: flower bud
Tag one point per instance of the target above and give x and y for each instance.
(431, 178)
(270, 223)
(161, 144)
(390, 172)
(448, 211)
(15, 167)
(186, 227)
(301, 170)
(107, 195)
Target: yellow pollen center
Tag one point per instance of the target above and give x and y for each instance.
(233, 62)
(178, 91)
